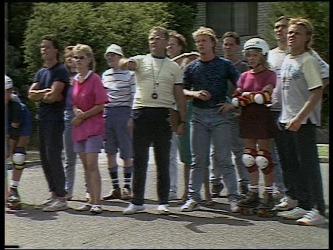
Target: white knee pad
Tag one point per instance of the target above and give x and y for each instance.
(19, 160)
(249, 160)
(264, 161)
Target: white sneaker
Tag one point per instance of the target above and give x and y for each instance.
(132, 209)
(312, 218)
(189, 206)
(286, 203)
(234, 208)
(96, 209)
(48, 201)
(85, 207)
(56, 205)
(293, 214)
(163, 209)
(172, 195)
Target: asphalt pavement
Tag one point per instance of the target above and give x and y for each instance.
(210, 228)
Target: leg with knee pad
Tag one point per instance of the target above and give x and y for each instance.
(249, 159)
(19, 158)
(264, 161)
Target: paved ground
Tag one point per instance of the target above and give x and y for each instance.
(209, 228)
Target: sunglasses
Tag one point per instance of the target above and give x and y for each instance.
(79, 57)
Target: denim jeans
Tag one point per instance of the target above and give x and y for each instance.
(210, 127)
(301, 169)
(237, 148)
(51, 145)
(151, 126)
(174, 163)
(70, 155)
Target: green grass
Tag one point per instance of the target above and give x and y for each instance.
(323, 151)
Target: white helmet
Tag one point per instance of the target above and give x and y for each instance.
(8, 83)
(257, 43)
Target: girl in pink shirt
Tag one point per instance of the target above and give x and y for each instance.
(89, 97)
(256, 124)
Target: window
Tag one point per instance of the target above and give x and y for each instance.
(240, 17)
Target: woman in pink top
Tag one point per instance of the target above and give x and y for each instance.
(89, 97)
(256, 124)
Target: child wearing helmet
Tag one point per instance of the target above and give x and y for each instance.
(18, 131)
(256, 121)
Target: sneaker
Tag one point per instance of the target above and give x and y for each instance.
(114, 194)
(132, 209)
(13, 196)
(234, 208)
(96, 209)
(163, 209)
(48, 201)
(312, 218)
(286, 203)
(189, 206)
(85, 207)
(172, 195)
(293, 214)
(279, 196)
(56, 205)
(243, 188)
(126, 194)
(217, 189)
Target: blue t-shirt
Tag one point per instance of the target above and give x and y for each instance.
(212, 76)
(46, 77)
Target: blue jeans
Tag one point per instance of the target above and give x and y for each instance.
(51, 145)
(210, 127)
(70, 155)
(174, 163)
(301, 169)
(237, 148)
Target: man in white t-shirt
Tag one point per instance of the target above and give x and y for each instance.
(159, 87)
(275, 59)
(301, 93)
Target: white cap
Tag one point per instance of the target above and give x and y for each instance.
(114, 48)
(8, 83)
(257, 43)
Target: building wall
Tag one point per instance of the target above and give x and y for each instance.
(262, 21)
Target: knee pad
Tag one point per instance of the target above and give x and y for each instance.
(249, 159)
(18, 158)
(264, 161)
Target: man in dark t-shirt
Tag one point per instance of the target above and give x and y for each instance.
(48, 89)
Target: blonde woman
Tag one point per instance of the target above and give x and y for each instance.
(89, 97)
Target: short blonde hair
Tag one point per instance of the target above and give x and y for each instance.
(308, 27)
(163, 30)
(206, 31)
(86, 49)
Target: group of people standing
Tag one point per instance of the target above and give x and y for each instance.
(264, 111)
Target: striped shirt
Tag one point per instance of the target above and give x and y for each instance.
(120, 87)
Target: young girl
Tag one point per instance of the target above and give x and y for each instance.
(256, 122)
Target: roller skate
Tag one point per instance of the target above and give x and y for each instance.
(266, 206)
(243, 188)
(14, 200)
(248, 204)
(217, 189)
